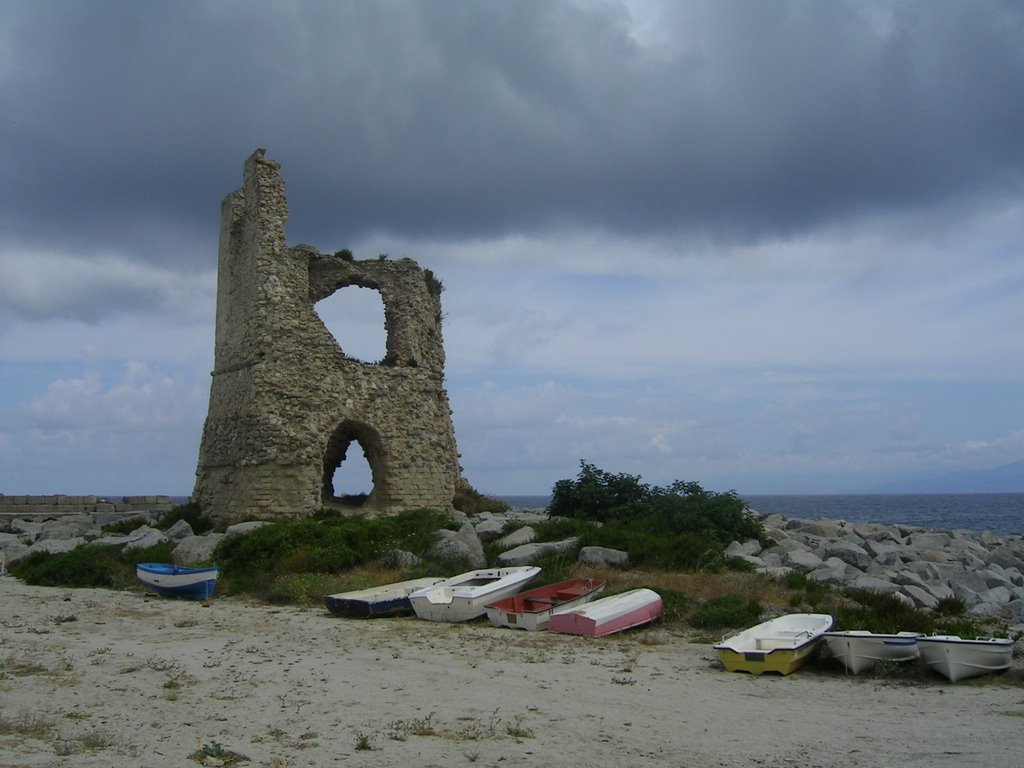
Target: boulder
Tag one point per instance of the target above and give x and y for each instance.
(144, 537)
(849, 553)
(748, 547)
(922, 598)
(823, 528)
(401, 558)
(28, 527)
(462, 545)
(180, 530)
(55, 546)
(801, 560)
(14, 552)
(489, 529)
(1008, 557)
(828, 575)
(872, 584)
(523, 535)
(239, 529)
(527, 554)
(196, 550)
(929, 540)
(603, 556)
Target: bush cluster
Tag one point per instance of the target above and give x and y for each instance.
(328, 543)
(681, 526)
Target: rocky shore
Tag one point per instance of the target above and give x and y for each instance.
(921, 566)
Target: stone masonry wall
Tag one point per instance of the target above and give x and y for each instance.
(61, 505)
(287, 405)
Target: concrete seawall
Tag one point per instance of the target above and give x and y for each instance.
(59, 505)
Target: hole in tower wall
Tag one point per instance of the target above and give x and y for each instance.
(355, 318)
(351, 481)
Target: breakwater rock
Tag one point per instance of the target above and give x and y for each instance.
(921, 566)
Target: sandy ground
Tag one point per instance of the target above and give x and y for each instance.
(101, 678)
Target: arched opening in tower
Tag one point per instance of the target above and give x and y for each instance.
(354, 316)
(352, 465)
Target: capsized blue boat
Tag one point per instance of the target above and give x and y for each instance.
(178, 581)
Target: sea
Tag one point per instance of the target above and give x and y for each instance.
(1000, 513)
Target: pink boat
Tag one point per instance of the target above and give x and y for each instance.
(609, 614)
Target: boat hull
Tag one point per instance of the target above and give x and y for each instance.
(858, 651)
(377, 602)
(170, 580)
(608, 614)
(780, 645)
(531, 610)
(956, 658)
(466, 596)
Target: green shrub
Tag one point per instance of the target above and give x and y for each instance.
(125, 525)
(327, 543)
(675, 605)
(879, 612)
(727, 611)
(470, 501)
(681, 526)
(192, 514)
(84, 566)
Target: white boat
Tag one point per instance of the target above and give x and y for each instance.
(957, 658)
(467, 595)
(859, 650)
(374, 602)
(531, 610)
(779, 645)
(608, 614)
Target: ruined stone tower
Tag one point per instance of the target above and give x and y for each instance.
(287, 405)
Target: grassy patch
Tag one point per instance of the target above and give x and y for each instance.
(86, 566)
(727, 611)
(328, 544)
(217, 752)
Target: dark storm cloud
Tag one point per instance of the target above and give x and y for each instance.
(126, 123)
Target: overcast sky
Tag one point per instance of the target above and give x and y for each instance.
(768, 246)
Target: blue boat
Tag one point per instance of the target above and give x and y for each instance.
(178, 581)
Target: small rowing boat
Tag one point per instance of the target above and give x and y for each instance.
(957, 658)
(171, 580)
(608, 614)
(859, 650)
(467, 595)
(780, 645)
(531, 610)
(377, 602)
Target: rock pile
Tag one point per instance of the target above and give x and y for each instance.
(919, 565)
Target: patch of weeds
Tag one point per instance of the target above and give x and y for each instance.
(125, 525)
(623, 681)
(21, 666)
(517, 730)
(478, 729)
(183, 623)
(65, 618)
(28, 724)
(364, 742)
(727, 611)
(217, 752)
(172, 684)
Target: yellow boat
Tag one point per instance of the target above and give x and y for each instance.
(779, 645)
